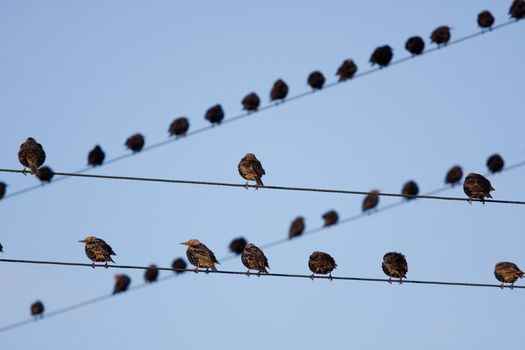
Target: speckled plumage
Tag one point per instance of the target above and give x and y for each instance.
(495, 163)
(347, 70)
(97, 250)
(151, 274)
(415, 45)
(214, 114)
(321, 263)
(409, 189)
(122, 283)
(179, 127)
(279, 90)
(441, 35)
(382, 56)
(395, 265)
(237, 245)
(454, 175)
(37, 309)
(200, 256)
(485, 19)
(371, 201)
(254, 259)
(96, 156)
(316, 80)
(330, 218)
(297, 227)
(31, 155)
(477, 186)
(507, 272)
(251, 169)
(179, 265)
(135, 142)
(45, 174)
(251, 102)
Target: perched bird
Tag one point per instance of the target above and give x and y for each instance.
(254, 259)
(251, 102)
(382, 56)
(477, 186)
(3, 189)
(200, 256)
(151, 274)
(279, 90)
(297, 227)
(1, 248)
(517, 9)
(37, 309)
(330, 218)
(31, 155)
(316, 80)
(454, 175)
(122, 283)
(485, 19)
(346, 70)
(440, 35)
(97, 250)
(45, 174)
(395, 265)
(135, 142)
(371, 201)
(507, 272)
(251, 170)
(410, 188)
(179, 127)
(415, 45)
(237, 245)
(495, 163)
(214, 114)
(321, 263)
(96, 156)
(179, 265)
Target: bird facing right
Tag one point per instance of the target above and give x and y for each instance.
(441, 35)
(477, 186)
(254, 259)
(321, 263)
(200, 256)
(395, 265)
(37, 309)
(347, 70)
(251, 170)
(31, 155)
(507, 272)
(97, 250)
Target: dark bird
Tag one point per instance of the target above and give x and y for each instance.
(200, 256)
(321, 263)
(1, 248)
(237, 245)
(297, 227)
(454, 175)
(477, 186)
(151, 274)
(346, 70)
(279, 90)
(3, 189)
(179, 127)
(330, 218)
(485, 19)
(415, 45)
(251, 102)
(410, 188)
(37, 309)
(395, 265)
(135, 142)
(251, 170)
(97, 250)
(254, 259)
(214, 114)
(517, 9)
(382, 56)
(507, 272)
(45, 174)
(371, 201)
(96, 156)
(31, 155)
(122, 283)
(495, 163)
(316, 80)
(179, 265)
(440, 35)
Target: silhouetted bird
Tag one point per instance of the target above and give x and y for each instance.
(371, 201)
(37, 309)
(415, 45)
(251, 102)
(238, 245)
(517, 9)
(279, 90)
(251, 170)
(454, 175)
(477, 186)
(330, 218)
(45, 174)
(179, 126)
(507, 272)
(382, 56)
(179, 265)
(441, 35)
(214, 114)
(97, 250)
(485, 19)
(346, 70)
(122, 283)
(321, 263)
(410, 188)
(3, 189)
(31, 155)
(316, 80)
(151, 274)
(200, 256)
(96, 156)
(297, 227)
(254, 259)
(395, 265)
(135, 142)
(495, 163)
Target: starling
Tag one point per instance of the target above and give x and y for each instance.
(485, 19)
(279, 90)
(454, 175)
(395, 265)
(410, 189)
(322, 263)
(135, 142)
(254, 259)
(297, 227)
(251, 169)
(495, 163)
(330, 218)
(346, 70)
(97, 250)
(179, 127)
(31, 154)
(151, 274)
(37, 309)
(3, 189)
(237, 245)
(382, 56)
(440, 35)
(507, 272)
(251, 102)
(415, 45)
(179, 265)
(122, 283)
(316, 80)
(477, 186)
(517, 9)
(200, 256)
(45, 174)
(371, 201)
(214, 114)
(96, 156)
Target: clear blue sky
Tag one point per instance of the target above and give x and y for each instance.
(77, 73)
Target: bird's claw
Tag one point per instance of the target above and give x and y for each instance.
(248, 273)
(312, 276)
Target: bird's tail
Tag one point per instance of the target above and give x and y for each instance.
(213, 268)
(259, 182)
(33, 168)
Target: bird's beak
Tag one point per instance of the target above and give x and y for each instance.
(82, 241)
(184, 243)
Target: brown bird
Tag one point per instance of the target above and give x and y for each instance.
(395, 265)
(382, 56)
(517, 9)
(31, 155)
(254, 259)
(179, 265)
(251, 102)
(485, 19)
(507, 272)
(346, 70)
(179, 127)
(122, 283)
(321, 263)
(279, 90)
(330, 218)
(3, 189)
(297, 227)
(37, 309)
(45, 174)
(440, 35)
(415, 45)
(454, 175)
(316, 80)
(251, 170)
(96, 156)
(237, 245)
(410, 188)
(135, 142)
(214, 114)
(200, 256)
(371, 201)
(477, 186)
(151, 274)
(97, 250)
(495, 163)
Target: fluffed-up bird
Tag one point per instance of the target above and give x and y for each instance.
(477, 186)
(297, 227)
(330, 218)
(485, 19)
(279, 90)
(37, 309)
(321, 263)
(135, 142)
(122, 283)
(251, 102)
(45, 174)
(200, 256)
(96, 156)
(347, 70)
(237, 245)
(179, 265)
(382, 56)
(441, 35)
(495, 163)
(251, 170)
(415, 45)
(517, 9)
(179, 127)
(371, 201)
(410, 189)
(254, 259)
(454, 175)
(507, 272)
(395, 265)
(97, 250)
(3, 189)
(214, 114)
(316, 80)
(31, 155)
(151, 274)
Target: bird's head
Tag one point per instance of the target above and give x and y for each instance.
(249, 245)
(250, 156)
(88, 239)
(30, 139)
(191, 242)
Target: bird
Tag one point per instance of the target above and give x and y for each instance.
(254, 259)
(415, 45)
(454, 175)
(151, 274)
(1, 248)
(3, 189)
(297, 227)
(330, 218)
(410, 188)
(485, 19)
(251, 170)
(237, 245)
(279, 90)
(495, 163)
(45, 174)
(371, 201)
(37, 309)
(321, 263)
(200, 256)
(179, 265)
(31, 155)
(507, 272)
(382, 56)
(122, 283)
(214, 114)
(97, 250)
(135, 142)
(517, 9)
(477, 186)
(179, 127)
(440, 35)
(346, 70)
(316, 80)
(96, 156)
(395, 265)
(251, 102)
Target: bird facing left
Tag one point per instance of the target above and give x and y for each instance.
(97, 250)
